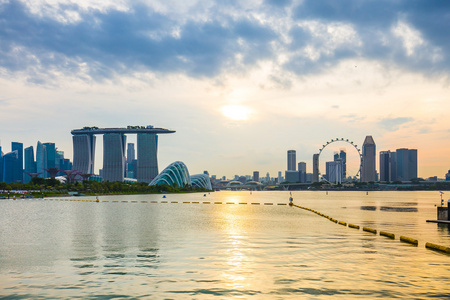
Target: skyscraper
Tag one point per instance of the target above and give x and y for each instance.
(84, 153)
(315, 176)
(30, 163)
(393, 166)
(385, 165)
(334, 171)
(280, 177)
(50, 157)
(368, 171)
(302, 171)
(10, 161)
(130, 153)
(114, 156)
(41, 162)
(1, 165)
(18, 167)
(402, 164)
(291, 160)
(256, 176)
(130, 171)
(343, 157)
(406, 164)
(147, 161)
(412, 163)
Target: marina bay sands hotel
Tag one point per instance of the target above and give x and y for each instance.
(114, 143)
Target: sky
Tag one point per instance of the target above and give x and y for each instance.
(241, 82)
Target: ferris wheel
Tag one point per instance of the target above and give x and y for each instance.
(345, 141)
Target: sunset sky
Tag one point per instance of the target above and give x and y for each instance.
(241, 82)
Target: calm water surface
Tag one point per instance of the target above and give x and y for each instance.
(65, 249)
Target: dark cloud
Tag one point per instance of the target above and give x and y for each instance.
(374, 19)
(368, 13)
(118, 42)
(393, 124)
(279, 3)
(109, 42)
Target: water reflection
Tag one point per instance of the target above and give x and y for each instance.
(398, 209)
(166, 251)
(372, 208)
(237, 262)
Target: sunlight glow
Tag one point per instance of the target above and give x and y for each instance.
(236, 112)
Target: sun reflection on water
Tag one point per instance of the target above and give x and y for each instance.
(237, 262)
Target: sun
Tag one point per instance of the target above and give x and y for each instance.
(236, 112)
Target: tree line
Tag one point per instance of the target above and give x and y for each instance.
(41, 187)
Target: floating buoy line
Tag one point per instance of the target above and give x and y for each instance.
(404, 239)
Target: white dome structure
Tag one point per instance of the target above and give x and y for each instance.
(177, 174)
(201, 181)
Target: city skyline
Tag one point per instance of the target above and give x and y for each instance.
(240, 82)
(391, 166)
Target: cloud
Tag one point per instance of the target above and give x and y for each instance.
(354, 118)
(424, 130)
(393, 124)
(377, 27)
(103, 44)
(97, 43)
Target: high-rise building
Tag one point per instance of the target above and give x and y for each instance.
(368, 171)
(385, 165)
(1, 164)
(447, 176)
(343, 157)
(402, 164)
(30, 163)
(84, 150)
(41, 162)
(292, 176)
(334, 171)
(291, 160)
(114, 156)
(18, 167)
(412, 163)
(393, 166)
(84, 153)
(50, 151)
(130, 153)
(406, 164)
(147, 161)
(256, 176)
(66, 164)
(280, 177)
(315, 176)
(10, 162)
(302, 171)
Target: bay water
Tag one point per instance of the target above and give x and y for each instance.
(60, 249)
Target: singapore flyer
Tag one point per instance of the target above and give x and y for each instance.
(336, 170)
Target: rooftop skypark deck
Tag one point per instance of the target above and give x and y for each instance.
(127, 130)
